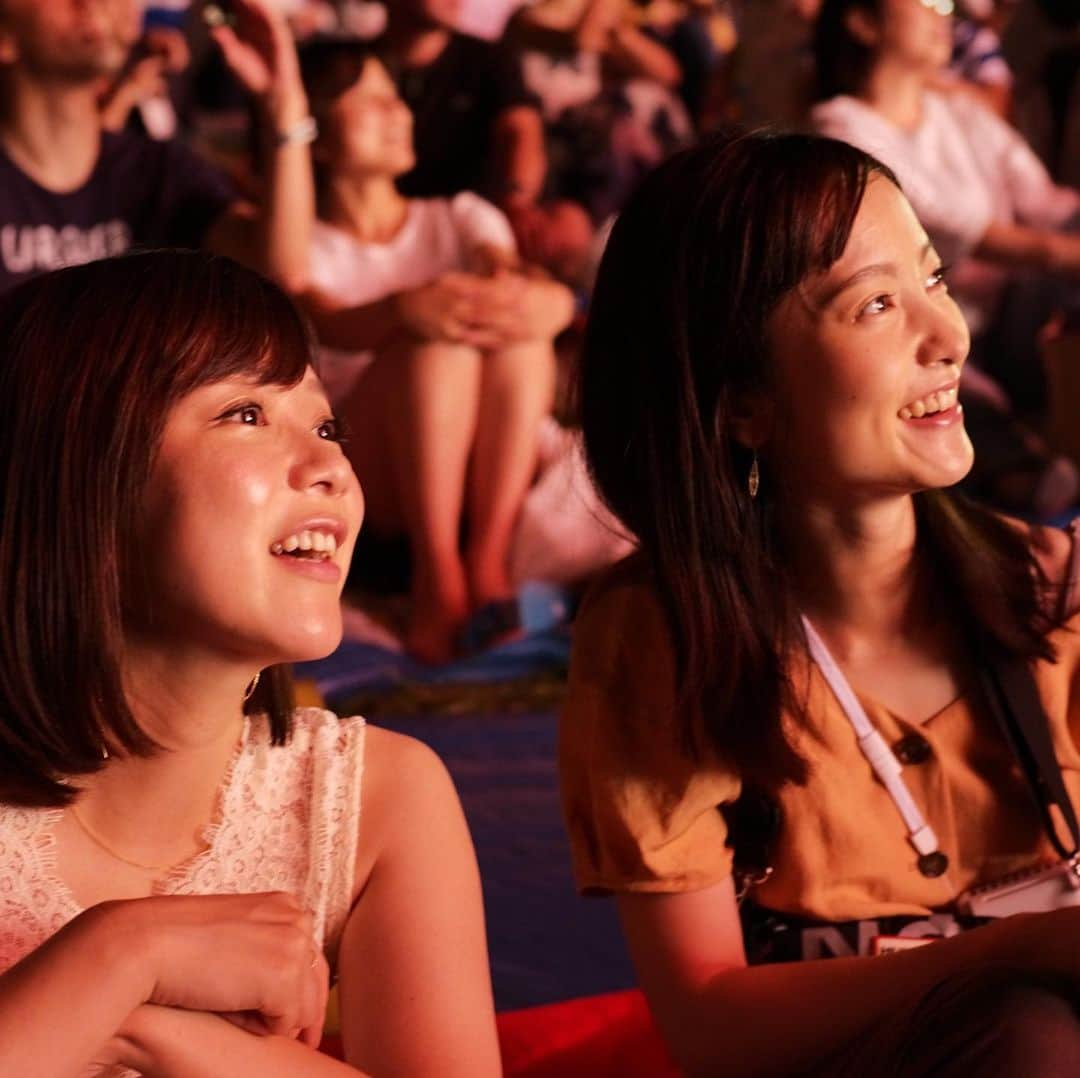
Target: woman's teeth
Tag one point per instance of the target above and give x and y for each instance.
(928, 405)
(307, 544)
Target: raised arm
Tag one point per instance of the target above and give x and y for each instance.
(414, 981)
(721, 1017)
(275, 237)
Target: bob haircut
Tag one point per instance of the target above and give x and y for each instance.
(841, 62)
(697, 262)
(94, 357)
(330, 65)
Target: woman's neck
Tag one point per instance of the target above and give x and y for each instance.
(896, 92)
(155, 806)
(371, 209)
(855, 570)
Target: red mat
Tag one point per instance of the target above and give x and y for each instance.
(611, 1034)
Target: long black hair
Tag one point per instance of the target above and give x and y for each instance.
(696, 263)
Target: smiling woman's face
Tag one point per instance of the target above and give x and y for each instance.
(866, 361)
(251, 519)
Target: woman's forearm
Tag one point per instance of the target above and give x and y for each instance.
(288, 210)
(61, 1004)
(783, 1016)
(164, 1042)
(1045, 249)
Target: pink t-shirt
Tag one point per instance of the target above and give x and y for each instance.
(439, 235)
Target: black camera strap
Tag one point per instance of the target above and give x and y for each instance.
(1013, 698)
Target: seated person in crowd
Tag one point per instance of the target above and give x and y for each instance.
(184, 855)
(987, 201)
(978, 64)
(610, 93)
(444, 366)
(769, 404)
(477, 128)
(73, 192)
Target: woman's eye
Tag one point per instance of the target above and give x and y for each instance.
(331, 430)
(250, 415)
(939, 278)
(875, 306)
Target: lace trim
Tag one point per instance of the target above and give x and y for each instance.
(179, 872)
(287, 819)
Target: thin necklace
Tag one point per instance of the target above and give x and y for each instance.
(99, 841)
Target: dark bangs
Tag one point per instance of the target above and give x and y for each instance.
(245, 326)
(330, 65)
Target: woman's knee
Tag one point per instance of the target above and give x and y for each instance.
(996, 1022)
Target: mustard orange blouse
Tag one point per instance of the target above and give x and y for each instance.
(642, 815)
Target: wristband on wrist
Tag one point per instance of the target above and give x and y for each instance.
(306, 130)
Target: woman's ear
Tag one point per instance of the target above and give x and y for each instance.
(862, 26)
(752, 419)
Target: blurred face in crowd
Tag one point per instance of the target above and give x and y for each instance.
(252, 514)
(867, 358)
(368, 128)
(68, 40)
(916, 33)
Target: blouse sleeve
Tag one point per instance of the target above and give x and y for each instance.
(641, 814)
(1035, 198)
(481, 224)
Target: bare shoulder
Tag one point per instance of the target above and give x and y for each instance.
(405, 787)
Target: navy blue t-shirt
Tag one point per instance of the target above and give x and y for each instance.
(141, 193)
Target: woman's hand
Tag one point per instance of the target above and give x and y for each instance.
(251, 958)
(261, 53)
(463, 308)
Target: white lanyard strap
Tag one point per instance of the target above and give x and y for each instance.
(873, 746)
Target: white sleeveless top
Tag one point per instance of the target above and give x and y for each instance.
(287, 820)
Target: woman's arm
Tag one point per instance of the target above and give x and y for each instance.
(721, 1017)
(166, 1042)
(636, 55)
(57, 1007)
(450, 308)
(276, 236)
(414, 981)
(1041, 248)
(67, 1002)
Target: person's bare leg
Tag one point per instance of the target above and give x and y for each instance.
(426, 405)
(516, 389)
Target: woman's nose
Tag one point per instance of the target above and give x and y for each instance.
(322, 463)
(945, 336)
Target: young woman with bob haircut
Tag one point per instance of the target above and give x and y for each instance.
(768, 393)
(183, 854)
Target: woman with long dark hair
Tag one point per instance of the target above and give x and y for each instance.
(182, 851)
(779, 695)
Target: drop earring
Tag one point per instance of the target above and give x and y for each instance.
(249, 692)
(754, 480)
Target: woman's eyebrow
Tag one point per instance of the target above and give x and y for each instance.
(875, 268)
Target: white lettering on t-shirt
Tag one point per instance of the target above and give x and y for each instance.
(34, 248)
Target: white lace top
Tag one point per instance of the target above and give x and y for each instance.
(287, 820)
